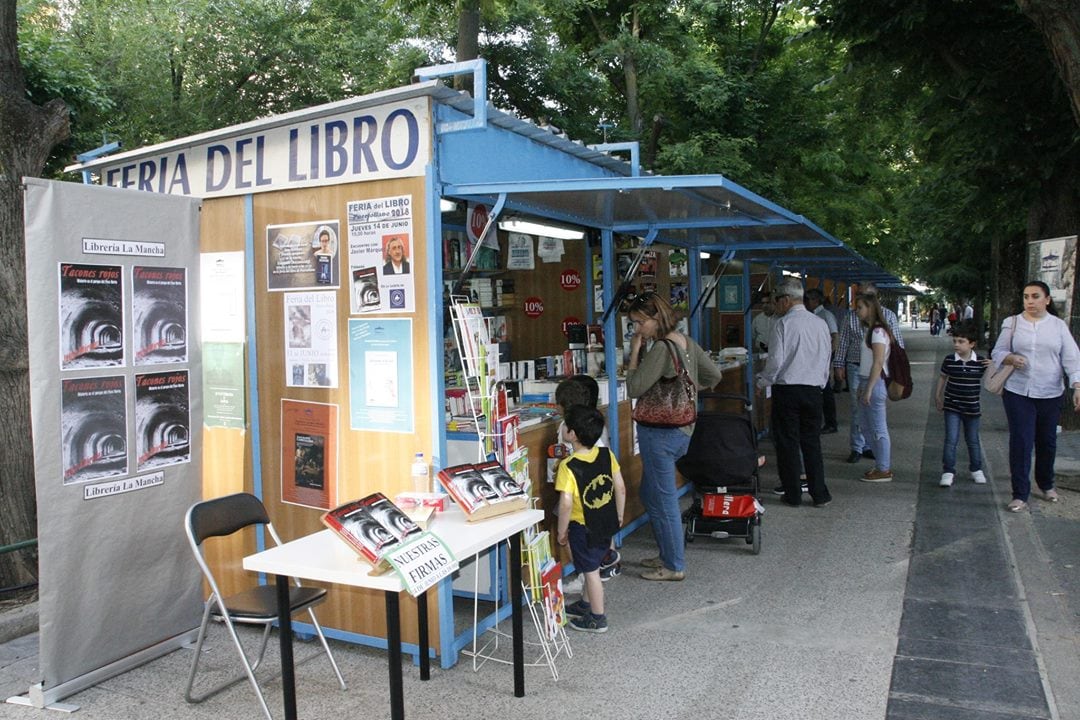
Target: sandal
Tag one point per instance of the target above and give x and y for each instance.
(1016, 506)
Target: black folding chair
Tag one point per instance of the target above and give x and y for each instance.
(258, 606)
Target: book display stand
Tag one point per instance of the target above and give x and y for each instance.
(542, 584)
(542, 589)
(479, 367)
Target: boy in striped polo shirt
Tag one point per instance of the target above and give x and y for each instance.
(958, 389)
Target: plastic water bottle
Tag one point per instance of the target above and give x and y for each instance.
(419, 474)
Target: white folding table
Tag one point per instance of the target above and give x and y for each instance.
(324, 557)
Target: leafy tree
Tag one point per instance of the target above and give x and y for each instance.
(990, 127)
(173, 68)
(28, 132)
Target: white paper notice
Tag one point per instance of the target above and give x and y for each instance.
(380, 378)
(222, 290)
(520, 252)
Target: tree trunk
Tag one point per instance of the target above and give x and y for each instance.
(1059, 23)
(630, 76)
(27, 134)
(1056, 213)
(468, 40)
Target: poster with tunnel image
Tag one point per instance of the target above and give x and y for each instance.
(93, 420)
(159, 310)
(162, 419)
(91, 316)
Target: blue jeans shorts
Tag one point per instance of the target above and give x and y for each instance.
(586, 557)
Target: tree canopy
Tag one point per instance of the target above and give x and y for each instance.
(923, 134)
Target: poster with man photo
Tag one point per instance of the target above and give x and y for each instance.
(302, 256)
(381, 248)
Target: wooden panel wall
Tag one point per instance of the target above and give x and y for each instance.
(535, 337)
(367, 461)
(226, 452)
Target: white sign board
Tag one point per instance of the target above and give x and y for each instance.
(422, 562)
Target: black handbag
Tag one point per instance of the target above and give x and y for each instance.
(670, 402)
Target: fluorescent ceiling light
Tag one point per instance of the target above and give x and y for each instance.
(447, 205)
(531, 228)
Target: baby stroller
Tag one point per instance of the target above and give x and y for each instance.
(722, 464)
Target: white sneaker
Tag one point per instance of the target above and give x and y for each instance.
(978, 477)
(946, 480)
(573, 587)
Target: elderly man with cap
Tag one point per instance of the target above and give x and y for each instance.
(797, 370)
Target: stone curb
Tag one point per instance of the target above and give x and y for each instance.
(18, 622)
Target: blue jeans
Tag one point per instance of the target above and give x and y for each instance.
(858, 443)
(1032, 422)
(953, 421)
(872, 420)
(660, 448)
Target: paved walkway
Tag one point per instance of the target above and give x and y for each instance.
(899, 600)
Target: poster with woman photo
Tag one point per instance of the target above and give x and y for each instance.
(302, 256)
(381, 255)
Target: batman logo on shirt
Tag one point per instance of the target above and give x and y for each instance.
(598, 492)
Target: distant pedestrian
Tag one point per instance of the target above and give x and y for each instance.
(1040, 348)
(762, 324)
(935, 320)
(815, 303)
(958, 389)
(872, 379)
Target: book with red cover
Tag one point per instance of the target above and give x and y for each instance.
(372, 526)
(483, 490)
(554, 604)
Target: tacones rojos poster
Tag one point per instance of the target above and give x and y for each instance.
(93, 428)
(159, 311)
(162, 419)
(91, 316)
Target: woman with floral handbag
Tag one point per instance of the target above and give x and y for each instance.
(664, 381)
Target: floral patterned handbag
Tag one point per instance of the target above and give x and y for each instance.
(670, 402)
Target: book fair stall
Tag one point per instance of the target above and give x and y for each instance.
(358, 313)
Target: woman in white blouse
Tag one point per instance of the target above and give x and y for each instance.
(1039, 347)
